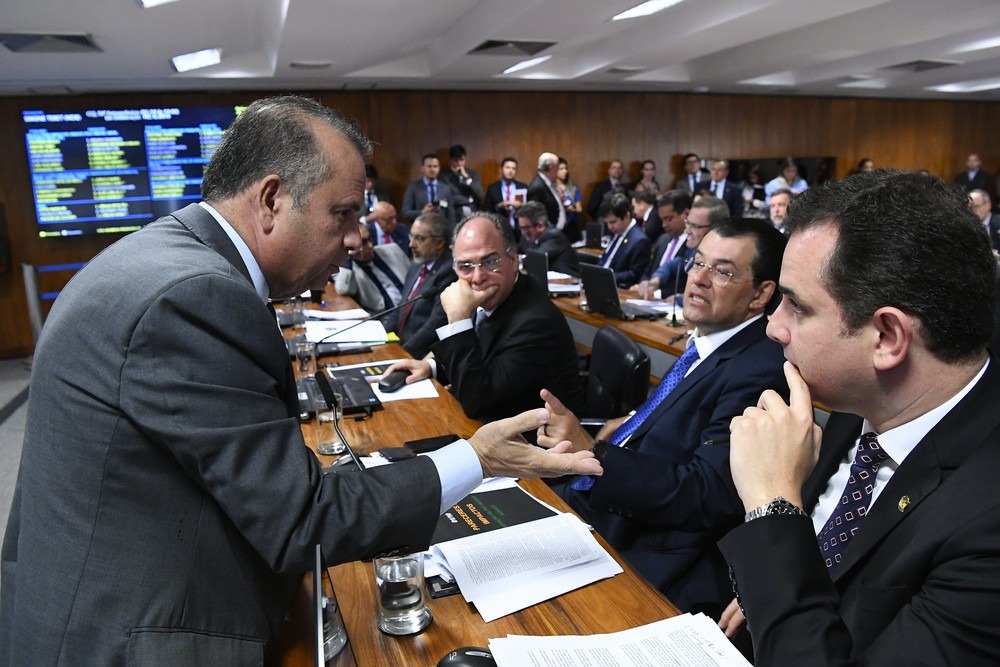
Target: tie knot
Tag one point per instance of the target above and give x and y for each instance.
(423, 271)
(869, 454)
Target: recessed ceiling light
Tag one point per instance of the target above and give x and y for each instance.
(197, 60)
(645, 9)
(146, 4)
(979, 45)
(977, 86)
(525, 64)
(310, 64)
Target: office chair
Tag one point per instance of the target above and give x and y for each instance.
(34, 299)
(618, 379)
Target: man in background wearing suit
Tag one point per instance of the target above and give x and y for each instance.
(373, 193)
(695, 178)
(729, 192)
(429, 274)
(465, 182)
(429, 194)
(884, 549)
(166, 505)
(982, 206)
(667, 496)
(673, 208)
(645, 213)
(628, 253)
(505, 340)
(542, 189)
(502, 197)
(384, 227)
(538, 234)
(374, 276)
(614, 184)
(974, 177)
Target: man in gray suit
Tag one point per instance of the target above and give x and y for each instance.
(166, 506)
(374, 276)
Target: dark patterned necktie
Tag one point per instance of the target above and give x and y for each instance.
(853, 505)
(409, 306)
(667, 385)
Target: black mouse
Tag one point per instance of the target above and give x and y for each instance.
(468, 656)
(394, 381)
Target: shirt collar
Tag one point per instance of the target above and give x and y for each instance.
(256, 275)
(898, 442)
(709, 343)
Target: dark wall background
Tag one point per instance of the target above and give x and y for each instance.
(588, 129)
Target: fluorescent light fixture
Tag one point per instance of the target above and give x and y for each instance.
(146, 4)
(977, 86)
(979, 45)
(197, 60)
(525, 64)
(645, 9)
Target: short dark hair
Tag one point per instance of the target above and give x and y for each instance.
(534, 211)
(617, 205)
(508, 159)
(644, 197)
(718, 210)
(645, 162)
(275, 136)
(456, 151)
(688, 156)
(680, 200)
(501, 225)
(427, 156)
(912, 242)
(769, 246)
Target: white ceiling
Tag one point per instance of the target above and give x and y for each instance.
(807, 47)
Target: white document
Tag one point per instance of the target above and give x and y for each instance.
(506, 570)
(371, 331)
(681, 641)
(352, 314)
(564, 288)
(421, 389)
(558, 275)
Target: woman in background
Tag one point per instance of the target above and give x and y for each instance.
(648, 182)
(569, 197)
(754, 198)
(789, 178)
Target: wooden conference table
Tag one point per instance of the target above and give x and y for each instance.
(610, 605)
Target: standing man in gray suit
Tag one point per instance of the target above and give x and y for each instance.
(166, 505)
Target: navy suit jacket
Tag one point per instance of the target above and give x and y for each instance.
(918, 581)
(732, 194)
(418, 332)
(668, 496)
(400, 236)
(524, 347)
(994, 230)
(980, 182)
(631, 258)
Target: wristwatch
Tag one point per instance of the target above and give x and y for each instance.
(777, 506)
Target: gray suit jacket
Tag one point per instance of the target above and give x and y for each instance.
(355, 282)
(166, 506)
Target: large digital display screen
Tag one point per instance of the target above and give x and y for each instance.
(115, 170)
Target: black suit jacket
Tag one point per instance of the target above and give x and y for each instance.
(562, 256)
(659, 248)
(597, 196)
(495, 195)
(631, 258)
(918, 582)
(540, 192)
(400, 236)
(980, 182)
(162, 432)
(466, 194)
(668, 496)
(993, 227)
(425, 316)
(653, 226)
(524, 347)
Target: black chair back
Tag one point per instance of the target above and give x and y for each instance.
(618, 379)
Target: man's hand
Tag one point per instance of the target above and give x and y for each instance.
(562, 426)
(418, 369)
(732, 619)
(503, 451)
(774, 446)
(429, 207)
(610, 427)
(460, 301)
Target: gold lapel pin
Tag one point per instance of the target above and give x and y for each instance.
(904, 502)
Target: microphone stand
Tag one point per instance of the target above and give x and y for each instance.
(331, 402)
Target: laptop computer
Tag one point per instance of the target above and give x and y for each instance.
(356, 393)
(592, 234)
(602, 295)
(536, 265)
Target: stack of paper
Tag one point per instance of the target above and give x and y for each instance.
(684, 641)
(328, 331)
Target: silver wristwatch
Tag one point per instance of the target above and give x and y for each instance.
(777, 506)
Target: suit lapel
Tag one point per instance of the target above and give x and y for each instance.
(201, 223)
(939, 453)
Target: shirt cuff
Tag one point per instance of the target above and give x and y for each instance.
(458, 469)
(449, 330)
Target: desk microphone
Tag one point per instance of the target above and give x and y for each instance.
(374, 316)
(331, 402)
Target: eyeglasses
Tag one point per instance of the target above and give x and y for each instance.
(491, 264)
(720, 277)
(420, 238)
(690, 225)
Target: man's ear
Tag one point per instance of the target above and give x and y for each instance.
(271, 197)
(895, 331)
(763, 295)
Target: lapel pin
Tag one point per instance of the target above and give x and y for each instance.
(904, 502)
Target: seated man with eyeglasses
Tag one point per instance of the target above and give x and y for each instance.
(415, 323)
(705, 213)
(667, 494)
(504, 340)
